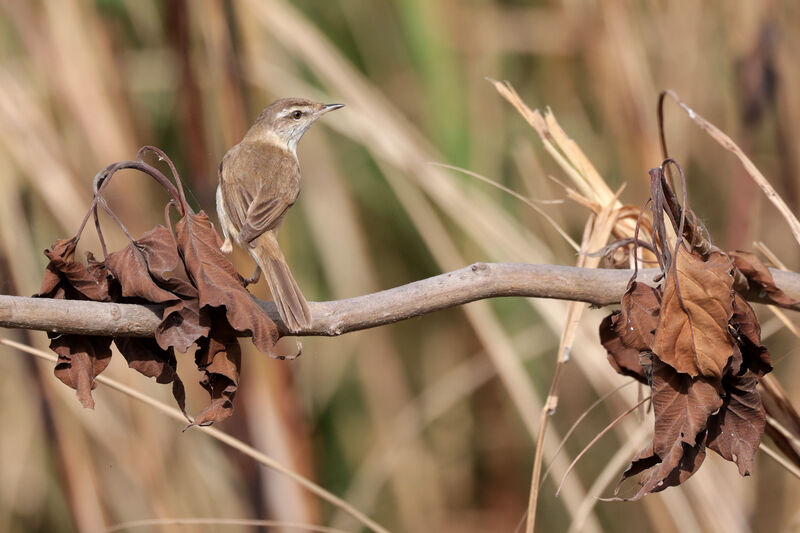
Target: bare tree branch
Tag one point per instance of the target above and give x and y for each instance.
(476, 282)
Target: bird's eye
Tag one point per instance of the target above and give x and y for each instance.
(297, 114)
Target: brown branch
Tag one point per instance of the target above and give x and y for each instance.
(476, 282)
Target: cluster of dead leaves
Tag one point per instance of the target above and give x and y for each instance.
(203, 300)
(696, 342)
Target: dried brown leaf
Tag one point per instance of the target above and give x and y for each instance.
(164, 263)
(130, 268)
(758, 274)
(681, 405)
(642, 461)
(679, 465)
(692, 334)
(623, 359)
(183, 325)
(219, 284)
(751, 354)
(736, 430)
(150, 269)
(148, 358)
(203, 299)
(81, 358)
(639, 316)
(66, 278)
(219, 358)
(628, 333)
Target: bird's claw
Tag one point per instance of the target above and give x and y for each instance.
(254, 278)
(291, 356)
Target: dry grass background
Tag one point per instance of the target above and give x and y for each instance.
(427, 425)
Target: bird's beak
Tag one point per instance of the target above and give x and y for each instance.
(331, 107)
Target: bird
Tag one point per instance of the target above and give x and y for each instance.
(259, 180)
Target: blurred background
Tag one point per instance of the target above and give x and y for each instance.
(430, 424)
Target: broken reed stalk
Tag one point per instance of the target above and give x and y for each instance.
(476, 282)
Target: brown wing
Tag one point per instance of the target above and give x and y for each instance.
(259, 183)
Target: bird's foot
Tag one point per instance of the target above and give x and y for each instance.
(291, 356)
(254, 278)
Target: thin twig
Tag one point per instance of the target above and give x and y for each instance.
(577, 422)
(595, 439)
(530, 203)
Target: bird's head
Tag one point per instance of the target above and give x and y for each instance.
(285, 121)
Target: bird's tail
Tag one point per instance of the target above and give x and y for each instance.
(290, 302)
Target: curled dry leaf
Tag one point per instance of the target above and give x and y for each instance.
(629, 333)
(68, 279)
(219, 358)
(692, 334)
(149, 359)
(218, 283)
(129, 267)
(682, 405)
(81, 358)
(150, 270)
(759, 275)
(722, 413)
(624, 359)
(697, 343)
(750, 354)
(657, 474)
(203, 299)
(639, 312)
(736, 430)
